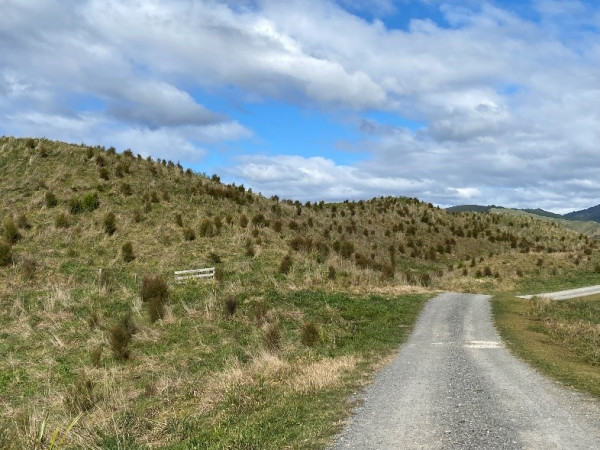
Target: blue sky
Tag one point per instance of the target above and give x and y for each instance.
(453, 102)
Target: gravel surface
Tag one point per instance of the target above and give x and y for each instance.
(564, 295)
(455, 386)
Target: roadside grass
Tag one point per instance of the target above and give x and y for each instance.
(561, 338)
(565, 278)
(201, 377)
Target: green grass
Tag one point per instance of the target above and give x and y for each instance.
(267, 412)
(558, 337)
(220, 388)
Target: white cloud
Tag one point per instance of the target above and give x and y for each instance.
(509, 106)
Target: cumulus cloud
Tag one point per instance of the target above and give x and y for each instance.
(508, 104)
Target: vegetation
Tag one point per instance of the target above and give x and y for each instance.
(245, 360)
(561, 338)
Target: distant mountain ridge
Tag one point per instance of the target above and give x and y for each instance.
(590, 214)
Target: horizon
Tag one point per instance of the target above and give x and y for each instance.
(454, 103)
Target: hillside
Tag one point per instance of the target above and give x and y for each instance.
(588, 227)
(96, 325)
(590, 214)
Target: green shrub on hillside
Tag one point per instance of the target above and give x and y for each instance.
(109, 223)
(87, 203)
(10, 232)
(50, 199)
(5, 254)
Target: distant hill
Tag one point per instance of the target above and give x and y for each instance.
(484, 209)
(471, 208)
(586, 222)
(592, 214)
(543, 213)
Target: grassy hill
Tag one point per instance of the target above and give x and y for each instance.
(306, 301)
(587, 228)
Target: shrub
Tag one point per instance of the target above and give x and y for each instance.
(347, 249)
(230, 305)
(126, 189)
(23, 222)
(61, 221)
(309, 334)
(277, 225)
(154, 286)
(331, 273)
(219, 273)
(154, 197)
(425, 279)
(5, 254)
(272, 337)
(387, 272)
(189, 234)
(250, 251)
(218, 224)
(156, 309)
(109, 223)
(103, 173)
(10, 231)
(214, 258)
(206, 228)
(127, 252)
(138, 216)
(258, 220)
(50, 199)
(30, 143)
(285, 265)
(119, 342)
(88, 202)
(243, 221)
(119, 171)
(28, 267)
(100, 161)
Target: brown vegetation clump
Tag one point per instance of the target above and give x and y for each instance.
(309, 334)
(127, 252)
(5, 254)
(285, 265)
(154, 286)
(272, 337)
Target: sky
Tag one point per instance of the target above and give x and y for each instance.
(452, 102)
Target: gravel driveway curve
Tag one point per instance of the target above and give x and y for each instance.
(455, 386)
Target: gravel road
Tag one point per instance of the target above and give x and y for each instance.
(455, 386)
(564, 295)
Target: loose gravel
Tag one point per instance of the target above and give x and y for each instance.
(455, 386)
